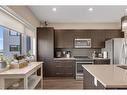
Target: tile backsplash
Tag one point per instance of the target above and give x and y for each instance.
(84, 52)
(80, 52)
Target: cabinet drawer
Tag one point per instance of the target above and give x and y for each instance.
(57, 65)
(102, 62)
(64, 68)
(64, 75)
(64, 63)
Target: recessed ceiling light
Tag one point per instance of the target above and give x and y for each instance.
(54, 9)
(90, 9)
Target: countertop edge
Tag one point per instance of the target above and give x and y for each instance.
(114, 86)
(85, 59)
(95, 77)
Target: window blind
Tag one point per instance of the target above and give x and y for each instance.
(8, 21)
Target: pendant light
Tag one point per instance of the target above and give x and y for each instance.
(124, 29)
(124, 22)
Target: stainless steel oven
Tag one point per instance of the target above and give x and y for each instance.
(79, 69)
(82, 43)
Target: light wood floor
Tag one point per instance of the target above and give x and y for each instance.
(62, 83)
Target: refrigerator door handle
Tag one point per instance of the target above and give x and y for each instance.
(125, 49)
(123, 54)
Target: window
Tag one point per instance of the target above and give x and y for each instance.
(14, 48)
(13, 33)
(10, 42)
(28, 43)
(1, 40)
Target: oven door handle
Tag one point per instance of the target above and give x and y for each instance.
(83, 62)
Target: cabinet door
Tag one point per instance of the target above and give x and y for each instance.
(98, 38)
(64, 38)
(45, 43)
(114, 34)
(49, 68)
(45, 48)
(83, 34)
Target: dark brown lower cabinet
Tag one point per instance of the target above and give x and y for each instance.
(88, 81)
(64, 68)
(102, 62)
(45, 48)
(48, 68)
(59, 68)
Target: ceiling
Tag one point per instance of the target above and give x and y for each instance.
(79, 14)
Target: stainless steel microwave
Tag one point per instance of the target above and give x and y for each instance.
(82, 43)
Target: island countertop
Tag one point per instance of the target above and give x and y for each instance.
(110, 76)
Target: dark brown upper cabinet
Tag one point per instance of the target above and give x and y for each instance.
(114, 34)
(45, 43)
(65, 38)
(98, 38)
(82, 34)
(45, 48)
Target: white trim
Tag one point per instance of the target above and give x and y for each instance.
(17, 17)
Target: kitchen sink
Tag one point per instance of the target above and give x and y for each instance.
(123, 67)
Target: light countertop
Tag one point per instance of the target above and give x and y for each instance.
(110, 76)
(21, 71)
(72, 58)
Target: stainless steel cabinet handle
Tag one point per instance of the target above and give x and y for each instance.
(59, 73)
(64, 66)
(59, 66)
(69, 73)
(57, 61)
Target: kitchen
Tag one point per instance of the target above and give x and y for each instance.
(72, 45)
(65, 50)
(76, 45)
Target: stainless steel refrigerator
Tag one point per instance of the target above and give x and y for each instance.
(117, 50)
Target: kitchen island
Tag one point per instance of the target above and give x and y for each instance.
(104, 77)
